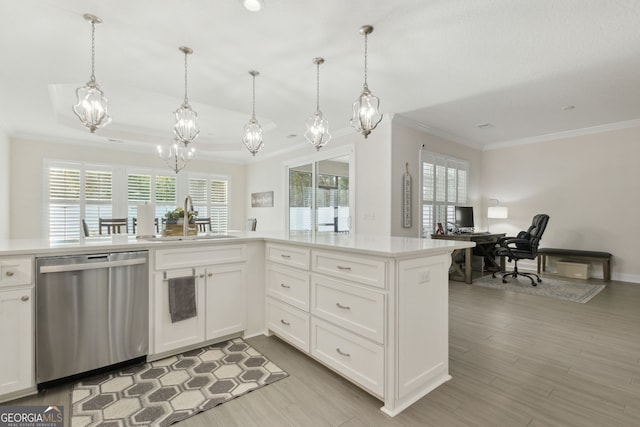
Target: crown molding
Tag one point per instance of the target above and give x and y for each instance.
(406, 121)
(561, 135)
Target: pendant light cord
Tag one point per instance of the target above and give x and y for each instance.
(93, 51)
(186, 100)
(254, 96)
(365, 61)
(318, 86)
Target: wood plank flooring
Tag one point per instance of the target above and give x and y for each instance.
(516, 360)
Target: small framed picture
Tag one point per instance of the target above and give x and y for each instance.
(440, 230)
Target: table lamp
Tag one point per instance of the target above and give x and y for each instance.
(497, 212)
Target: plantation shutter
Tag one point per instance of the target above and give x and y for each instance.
(98, 197)
(64, 203)
(198, 193)
(445, 183)
(138, 192)
(219, 205)
(166, 194)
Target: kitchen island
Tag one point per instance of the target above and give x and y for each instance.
(372, 308)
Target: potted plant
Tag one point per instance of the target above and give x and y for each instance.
(174, 222)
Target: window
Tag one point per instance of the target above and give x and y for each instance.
(210, 196)
(445, 183)
(77, 191)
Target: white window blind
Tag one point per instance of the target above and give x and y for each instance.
(198, 190)
(166, 198)
(445, 183)
(98, 197)
(64, 203)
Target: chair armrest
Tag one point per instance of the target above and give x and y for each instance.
(515, 241)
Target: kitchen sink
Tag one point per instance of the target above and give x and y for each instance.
(191, 237)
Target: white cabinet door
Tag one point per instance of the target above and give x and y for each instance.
(168, 335)
(226, 299)
(16, 336)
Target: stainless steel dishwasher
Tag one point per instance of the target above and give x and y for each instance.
(92, 312)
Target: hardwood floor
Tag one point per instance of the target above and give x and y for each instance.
(516, 360)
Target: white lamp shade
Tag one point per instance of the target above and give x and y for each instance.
(498, 212)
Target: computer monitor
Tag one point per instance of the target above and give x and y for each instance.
(464, 217)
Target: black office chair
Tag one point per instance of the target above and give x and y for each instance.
(524, 246)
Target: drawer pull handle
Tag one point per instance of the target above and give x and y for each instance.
(25, 298)
(342, 353)
(344, 307)
(284, 322)
(341, 267)
(285, 286)
(285, 256)
(9, 273)
(210, 274)
(201, 276)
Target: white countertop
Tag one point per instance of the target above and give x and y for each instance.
(365, 244)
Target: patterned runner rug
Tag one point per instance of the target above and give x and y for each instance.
(559, 288)
(166, 391)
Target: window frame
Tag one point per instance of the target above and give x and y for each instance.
(443, 210)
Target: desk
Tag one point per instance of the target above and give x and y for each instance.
(484, 242)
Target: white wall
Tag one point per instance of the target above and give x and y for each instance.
(406, 143)
(5, 169)
(372, 186)
(587, 185)
(26, 192)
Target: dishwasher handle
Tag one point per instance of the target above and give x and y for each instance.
(90, 265)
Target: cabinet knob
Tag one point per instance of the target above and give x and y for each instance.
(25, 298)
(10, 273)
(210, 274)
(201, 276)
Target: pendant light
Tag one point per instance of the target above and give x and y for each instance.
(317, 127)
(366, 115)
(186, 128)
(92, 106)
(253, 131)
(177, 156)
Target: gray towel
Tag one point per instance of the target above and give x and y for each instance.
(182, 298)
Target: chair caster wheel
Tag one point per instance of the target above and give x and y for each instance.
(504, 281)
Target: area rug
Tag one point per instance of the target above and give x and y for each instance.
(166, 391)
(564, 289)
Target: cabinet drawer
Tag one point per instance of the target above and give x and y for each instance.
(288, 285)
(351, 307)
(16, 271)
(369, 271)
(289, 323)
(356, 358)
(289, 255)
(199, 256)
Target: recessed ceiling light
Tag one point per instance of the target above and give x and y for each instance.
(484, 125)
(568, 107)
(118, 141)
(253, 5)
(291, 135)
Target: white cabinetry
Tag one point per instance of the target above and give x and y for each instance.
(16, 327)
(379, 321)
(220, 273)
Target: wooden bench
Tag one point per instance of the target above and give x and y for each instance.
(579, 255)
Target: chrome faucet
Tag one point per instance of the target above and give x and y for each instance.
(188, 208)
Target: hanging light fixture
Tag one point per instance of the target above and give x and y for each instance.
(317, 127)
(186, 128)
(91, 107)
(253, 131)
(366, 115)
(177, 156)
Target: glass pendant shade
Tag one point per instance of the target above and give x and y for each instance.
(317, 130)
(92, 106)
(317, 127)
(366, 113)
(177, 155)
(252, 138)
(186, 128)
